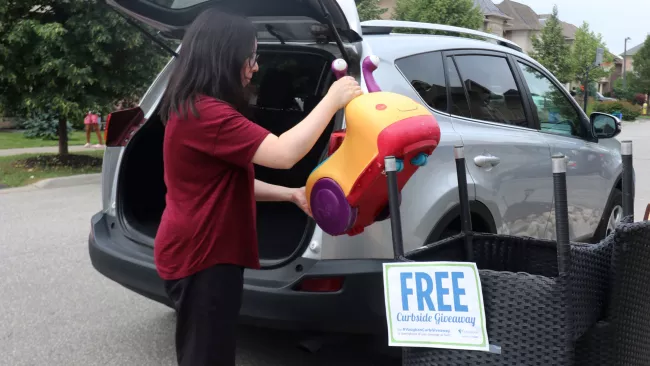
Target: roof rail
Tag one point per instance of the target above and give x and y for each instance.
(386, 27)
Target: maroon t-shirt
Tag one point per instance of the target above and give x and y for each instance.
(210, 214)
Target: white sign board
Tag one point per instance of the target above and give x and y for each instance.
(435, 305)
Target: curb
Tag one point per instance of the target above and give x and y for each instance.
(51, 183)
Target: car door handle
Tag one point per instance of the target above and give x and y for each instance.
(485, 160)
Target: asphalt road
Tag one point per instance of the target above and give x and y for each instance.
(55, 309)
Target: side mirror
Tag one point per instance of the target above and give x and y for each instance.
(605, 126)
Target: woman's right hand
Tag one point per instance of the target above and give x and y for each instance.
(343, 91)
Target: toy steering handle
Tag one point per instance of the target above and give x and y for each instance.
(370, 64)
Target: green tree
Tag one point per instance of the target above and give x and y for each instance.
(583, 55)
(369, 9)
(641, 70)
(551, 50)
(459, 13)
(65, 57)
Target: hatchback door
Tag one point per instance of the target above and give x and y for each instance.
(291, 20)
(508, 160)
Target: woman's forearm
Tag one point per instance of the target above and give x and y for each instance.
(271, 192)
(284, 151)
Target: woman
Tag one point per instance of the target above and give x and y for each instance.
(91, 122)
(207, 234)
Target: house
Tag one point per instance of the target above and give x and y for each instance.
(629, 56)
(495, 21)
(606, 84)
(525, 24)
(390, 6)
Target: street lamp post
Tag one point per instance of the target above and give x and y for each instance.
(625, 63)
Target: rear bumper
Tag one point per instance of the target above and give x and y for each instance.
(269, 298)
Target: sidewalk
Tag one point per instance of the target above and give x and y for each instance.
(41, 150)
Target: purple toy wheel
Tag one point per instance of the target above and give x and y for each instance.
(330, 208)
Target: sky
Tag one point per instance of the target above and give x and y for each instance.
(614, 19)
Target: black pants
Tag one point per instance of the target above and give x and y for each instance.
(207, 306)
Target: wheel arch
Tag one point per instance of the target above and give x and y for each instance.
(482, 220)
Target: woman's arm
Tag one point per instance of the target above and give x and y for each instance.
(270, 192)
(284, 151)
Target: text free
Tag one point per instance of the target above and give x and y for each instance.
(424, 289)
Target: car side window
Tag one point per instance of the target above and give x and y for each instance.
(459, 105)
(555, 112)
(492, 90)
(426, 74)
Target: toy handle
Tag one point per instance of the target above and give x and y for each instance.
(370, 64)
(339, 68)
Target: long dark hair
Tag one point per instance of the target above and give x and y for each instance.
(210, 62)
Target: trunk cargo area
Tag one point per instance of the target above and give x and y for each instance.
(290, 83)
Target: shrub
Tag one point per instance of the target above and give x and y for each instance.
(43, 126)
(639, 98)
(630, 111)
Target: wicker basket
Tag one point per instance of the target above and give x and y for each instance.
(549, 302)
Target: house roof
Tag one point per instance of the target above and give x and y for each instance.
(632, 51)
(524, 18)
(489, 9)
(568, 29)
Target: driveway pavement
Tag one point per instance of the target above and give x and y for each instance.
(58, 311)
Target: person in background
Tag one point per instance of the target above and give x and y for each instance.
(91, 122)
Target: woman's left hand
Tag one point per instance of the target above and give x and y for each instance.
(300, 199)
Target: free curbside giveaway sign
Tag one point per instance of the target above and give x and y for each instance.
(435, 305)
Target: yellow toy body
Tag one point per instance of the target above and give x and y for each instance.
(364, 123)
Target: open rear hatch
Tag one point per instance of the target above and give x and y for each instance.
(284, 20)
(292, 80)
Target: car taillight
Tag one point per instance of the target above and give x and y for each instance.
(122, 125)
(322, 284)
(336, 139)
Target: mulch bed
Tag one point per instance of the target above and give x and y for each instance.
(66, 161)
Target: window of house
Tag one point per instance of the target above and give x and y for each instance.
(427, 75)
(555, 112)
(492, 90)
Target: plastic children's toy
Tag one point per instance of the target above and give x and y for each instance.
(347, 192)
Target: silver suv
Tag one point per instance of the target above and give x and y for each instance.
(509, 112)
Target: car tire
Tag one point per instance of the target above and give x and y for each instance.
(611, 217)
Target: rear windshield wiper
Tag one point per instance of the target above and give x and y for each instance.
(274, 33)
(158, 41)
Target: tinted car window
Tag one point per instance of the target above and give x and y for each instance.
(459, 106)
(427, 75)
(493, 93)
(555, 112)
(288, 83)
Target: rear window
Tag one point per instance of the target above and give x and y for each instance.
(426, 74)
(287, 80)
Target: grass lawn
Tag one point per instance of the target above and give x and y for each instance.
(16, 139)
(20, 170)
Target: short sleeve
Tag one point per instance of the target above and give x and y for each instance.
(238, 139)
